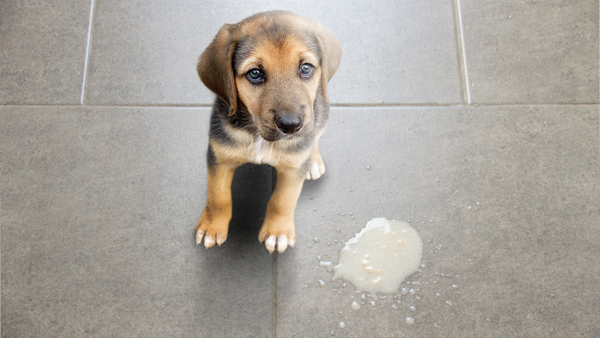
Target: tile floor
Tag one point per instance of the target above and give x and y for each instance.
(480, 121)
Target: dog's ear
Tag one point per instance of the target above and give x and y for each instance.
(331, 53)
(215, 67)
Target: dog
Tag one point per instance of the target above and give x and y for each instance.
(269, 73)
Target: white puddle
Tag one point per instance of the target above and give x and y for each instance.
(380, 257)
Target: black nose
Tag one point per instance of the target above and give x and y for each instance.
(289, 124)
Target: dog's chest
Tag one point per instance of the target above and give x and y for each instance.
(251, 147)
(261, 151)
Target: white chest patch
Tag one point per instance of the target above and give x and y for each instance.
(262, 152)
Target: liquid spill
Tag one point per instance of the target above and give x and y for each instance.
(364, 302)
(327, 265)
(380, 257)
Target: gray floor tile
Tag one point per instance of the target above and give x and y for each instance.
(43, 51)
(393, 52)
(506, 200)
(531, 52)
(98, 213)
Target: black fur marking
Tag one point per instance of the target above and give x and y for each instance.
(321, 109)
(211, 158)
(303, 144)
(243, 51)
(220, 117)
(217, 131)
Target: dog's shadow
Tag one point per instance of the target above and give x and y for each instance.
(251, 189)
(238, 275)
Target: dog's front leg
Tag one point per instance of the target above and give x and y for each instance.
(214, 222)
(278, 230)
(316, 167)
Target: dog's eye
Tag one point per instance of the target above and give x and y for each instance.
(306, 70)
(255, 76)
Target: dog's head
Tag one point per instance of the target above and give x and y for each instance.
(275, 63)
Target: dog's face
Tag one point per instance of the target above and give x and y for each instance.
(278, 82)
(275, 63)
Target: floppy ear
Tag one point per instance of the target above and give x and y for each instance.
(331, 53)
(215, 67)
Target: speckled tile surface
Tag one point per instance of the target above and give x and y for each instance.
(43, 51)
(531, 51)
(505, 199)
(98, 213)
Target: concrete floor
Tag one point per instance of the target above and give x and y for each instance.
(479, 121)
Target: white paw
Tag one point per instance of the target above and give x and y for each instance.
(281, 243)
(209, 240)
(316, 170)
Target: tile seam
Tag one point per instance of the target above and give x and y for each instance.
(450, 105)
(333, 106)
(87, 52)
(275, 260)
(275, 295)
(461, 50)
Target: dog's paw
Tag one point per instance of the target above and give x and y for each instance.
(213, 230)
(278, 235)
(317, 167)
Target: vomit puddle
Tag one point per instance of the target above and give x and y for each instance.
(380, 257)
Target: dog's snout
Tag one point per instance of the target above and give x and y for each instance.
(289, 124)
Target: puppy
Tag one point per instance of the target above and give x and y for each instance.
(270, 74)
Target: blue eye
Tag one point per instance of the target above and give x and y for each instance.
(306, 70)
(255, 76)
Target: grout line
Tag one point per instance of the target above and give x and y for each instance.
(457, 105)
(275, 259)
(461, 51)
(70, 105)
(333, 106)
(87, 52)
(275, 294)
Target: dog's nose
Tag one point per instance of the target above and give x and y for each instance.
(289, 124)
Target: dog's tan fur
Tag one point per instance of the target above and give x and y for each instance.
(246, 123)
